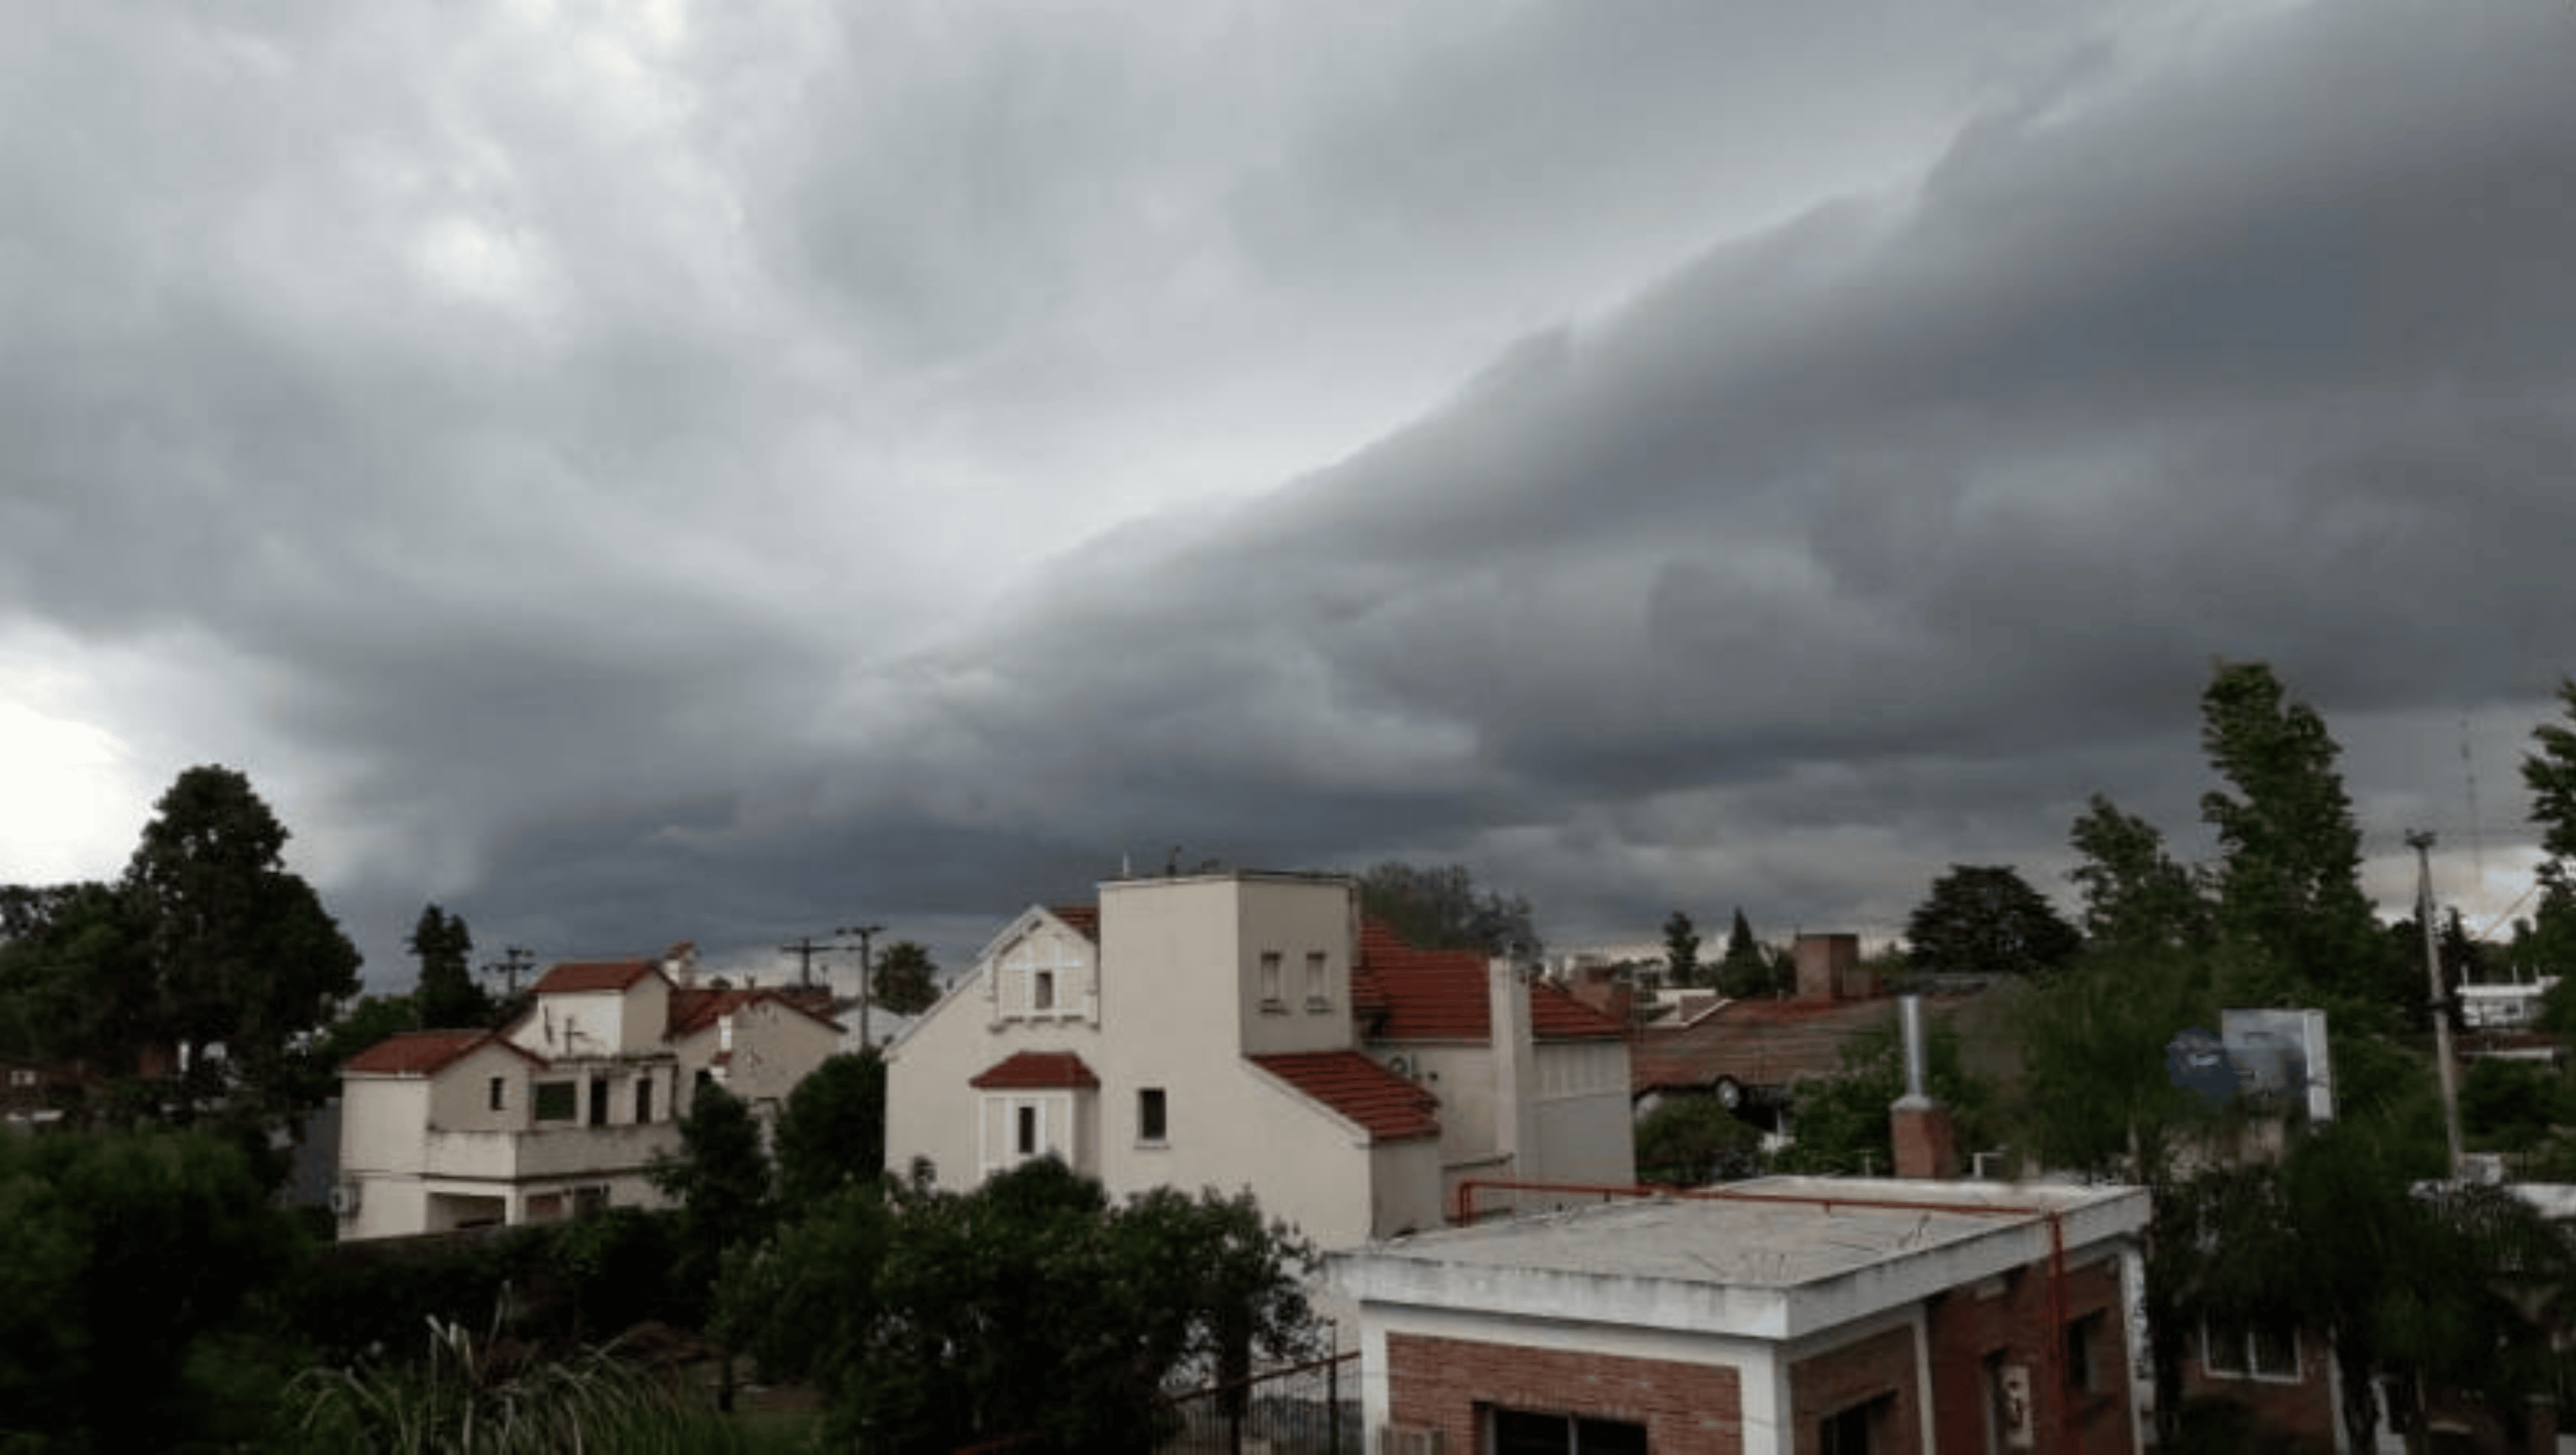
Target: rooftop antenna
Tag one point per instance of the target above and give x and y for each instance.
(2469, 776)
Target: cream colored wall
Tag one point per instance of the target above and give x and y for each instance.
(1586, 1129)
(1463, 1078)
(460, 1095)
(1405, 1188)
(930, 1110)
(1587, 1139)
(383, 1121)
(773, 1049)
(1177, 966)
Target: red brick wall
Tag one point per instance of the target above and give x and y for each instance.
(1687, 1409)
(1855, 1373)
(2014, 1322)
(2301, 1414)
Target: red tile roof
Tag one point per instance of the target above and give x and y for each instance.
(416, 1053)
(1082, 919)
(1037, 1071)
(1444, 995)
(1755, 1043)
(693, 1010)
(571, 977)
(1385, 1105)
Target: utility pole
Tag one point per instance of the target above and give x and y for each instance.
(512, 961)
(2421, 841)
(804, 950)
(867, 973)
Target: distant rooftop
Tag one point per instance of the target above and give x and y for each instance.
(1775, 1258)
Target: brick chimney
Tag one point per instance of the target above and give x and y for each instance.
(1827, 965)
(1926, 1142)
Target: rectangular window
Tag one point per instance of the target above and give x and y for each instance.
(643, 1099)
(1025, 1140)
(556, 1101)
(1858, 1430)
(2250, 1351)
(1521, 1432)
(599, 1103)
(1270, 981)
(1317, 987)
(495, 1094)
(1042, 990)
(1150, 1126)
(2083, 1360)
(589, 1201)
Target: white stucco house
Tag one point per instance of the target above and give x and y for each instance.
(564, 1109)
(1247, 1030)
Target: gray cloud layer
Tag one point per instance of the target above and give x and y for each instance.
(721, 482)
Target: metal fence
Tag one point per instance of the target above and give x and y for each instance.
(1303, 1409)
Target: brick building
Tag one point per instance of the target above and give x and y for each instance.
(1798, 1315)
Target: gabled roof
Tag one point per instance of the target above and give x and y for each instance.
(1082, 919)
(1037, 1071)
(1444, 995)
(425, 1053)
(1764, 1043)
(1385, 1105)
(571, 977)
(693, 1010)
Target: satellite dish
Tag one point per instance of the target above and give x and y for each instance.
(1729, 1094)
(1401, 1066)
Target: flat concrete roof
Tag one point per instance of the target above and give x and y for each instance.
(1772, 1258)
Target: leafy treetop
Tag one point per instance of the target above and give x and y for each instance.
(1986, 919)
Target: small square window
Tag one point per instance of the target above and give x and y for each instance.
(556, 1101)
(1151, 1125)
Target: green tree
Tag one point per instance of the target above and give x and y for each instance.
(2097, 1091)
(1687, 1141)
(1840, 1124)
(447, 995)
(1986, 919)
(243, 954)
(832, 1132)
(722, 1180)
(1029, 1308)
(75, 975)
(2334, 1242)
(907, 983)
(1681, 950)
(2136, 897)
(2550, 773)
(2289, 874)
(133, 1257)
(1751, 968)
(1443, 909)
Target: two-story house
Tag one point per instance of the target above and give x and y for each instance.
(565, 1109)
(1246, 1029)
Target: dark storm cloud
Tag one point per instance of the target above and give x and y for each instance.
(2259, 355)
(637, 489)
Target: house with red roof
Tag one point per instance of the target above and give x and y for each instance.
(1249, 1030)
(564, 1109)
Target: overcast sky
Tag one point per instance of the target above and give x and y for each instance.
(643, 471)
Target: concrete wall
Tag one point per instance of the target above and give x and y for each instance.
(1178, 972)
